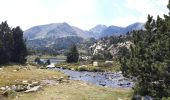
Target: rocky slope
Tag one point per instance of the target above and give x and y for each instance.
(96, 32)
(111, 45)
(50, 45)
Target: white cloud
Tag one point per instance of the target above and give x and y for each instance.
(27, 13)
(77, 13)
(145, 7)
(20, 12)
(142, 8)
(125, 21)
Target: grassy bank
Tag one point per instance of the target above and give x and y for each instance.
(102, 67)
(66, 90)
(15, 74)
(75, 90)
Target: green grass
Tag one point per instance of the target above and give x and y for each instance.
(102, 67)
(15, 74)
(62, 57)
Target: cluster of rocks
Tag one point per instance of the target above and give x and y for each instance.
(26, 86)
(118, 77)
(139, 97)
(98, 47)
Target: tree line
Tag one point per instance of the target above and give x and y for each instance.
(12, 45)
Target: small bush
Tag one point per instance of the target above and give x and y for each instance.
(82, 69)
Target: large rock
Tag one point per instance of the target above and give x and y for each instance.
(108, 63)
(34, 84)
(49, 82)
(14, 87)
(51, 66)
(34, 89)
(95, 63)
(139, 97)
(3, 88)
(21, 88)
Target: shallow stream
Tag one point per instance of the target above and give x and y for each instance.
(107, 79)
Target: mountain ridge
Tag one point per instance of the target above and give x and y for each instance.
(58, 30)
(54, 30)
(60, 36)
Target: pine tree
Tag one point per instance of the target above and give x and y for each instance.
(6, 39)
(73, 55)
(12, 45)
(3, 56)
(48, 62)
(149, 60)
(19, 46)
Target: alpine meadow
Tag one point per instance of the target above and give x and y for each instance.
(85, 50)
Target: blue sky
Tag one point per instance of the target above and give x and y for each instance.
(84, 14)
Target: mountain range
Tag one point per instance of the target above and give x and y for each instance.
(61, 35)
(60, 30)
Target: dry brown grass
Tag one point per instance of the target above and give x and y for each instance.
(14, 74)
(71, 90)
(75, 90)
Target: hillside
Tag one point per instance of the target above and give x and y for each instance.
(51, 45)
(110, 47)
(96, 32)
(56, 30)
